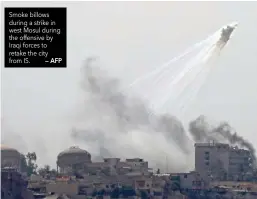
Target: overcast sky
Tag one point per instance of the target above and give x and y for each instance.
(131, 38)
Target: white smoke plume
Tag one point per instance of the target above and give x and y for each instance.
(119, 126)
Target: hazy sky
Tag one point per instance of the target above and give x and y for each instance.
(132, 38)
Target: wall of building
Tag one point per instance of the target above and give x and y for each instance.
(220, 161)
(143, 183)
(62, 188)
(13, 185)
(239, 163)
(113, 166)
(190, 180)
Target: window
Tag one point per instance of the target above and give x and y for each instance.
(185, 176)
(207, 163)
(197, 183)
(207, 153)
(207, 158)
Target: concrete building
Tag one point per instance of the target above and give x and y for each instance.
(114, 166)
(92, 184)
(78, 160)
(191, 180)
(239, 163)
(220, 161)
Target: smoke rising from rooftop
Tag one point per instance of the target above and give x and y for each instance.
(202, 131)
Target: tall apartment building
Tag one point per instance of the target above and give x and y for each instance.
(221, 161)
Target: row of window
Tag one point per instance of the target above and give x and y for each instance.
(207, 163)
(207, 157)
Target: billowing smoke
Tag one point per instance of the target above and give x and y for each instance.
(203, 132)
(116, 125)
(12, 139)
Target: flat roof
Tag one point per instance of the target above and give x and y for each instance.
(211, 144)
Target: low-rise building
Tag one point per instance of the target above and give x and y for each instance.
(191, 180)
(76, 160)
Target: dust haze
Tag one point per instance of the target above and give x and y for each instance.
(116, 125)
(121, 126)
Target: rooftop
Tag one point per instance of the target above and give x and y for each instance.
(211, 144)
(74, 150)
(7, 148)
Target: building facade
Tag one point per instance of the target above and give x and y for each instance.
(221, 162)
(114, 166)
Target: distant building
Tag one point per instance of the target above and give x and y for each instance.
(77, 160)
(221, 162)
(72, 159)
(12, 158)
(190, 180)
(113, 166)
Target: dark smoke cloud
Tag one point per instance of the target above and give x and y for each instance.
(201, 131)
(112, 118)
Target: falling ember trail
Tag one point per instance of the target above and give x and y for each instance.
(168, 82)
(183, 78)
(163, 67)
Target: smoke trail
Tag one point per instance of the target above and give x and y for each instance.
(200, 78)
(179, 80)
(122, 125)
(212, 39)
(201, 131)
(176, 78)
(202, 75)
(163, 67)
